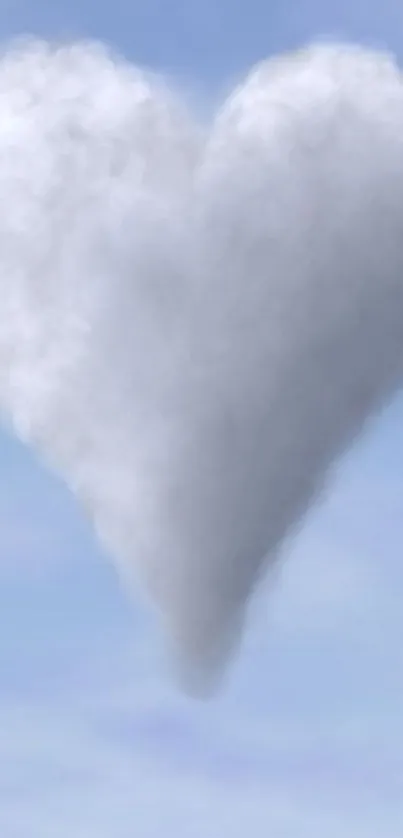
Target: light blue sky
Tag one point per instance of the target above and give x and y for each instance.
(306, 741)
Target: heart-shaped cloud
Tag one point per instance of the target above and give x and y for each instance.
(197, 320)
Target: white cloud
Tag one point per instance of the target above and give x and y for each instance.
(196, 322)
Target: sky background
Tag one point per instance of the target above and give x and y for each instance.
(306, 739)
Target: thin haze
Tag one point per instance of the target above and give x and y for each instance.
(198, 319)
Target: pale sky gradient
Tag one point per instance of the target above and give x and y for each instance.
(306, 740)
